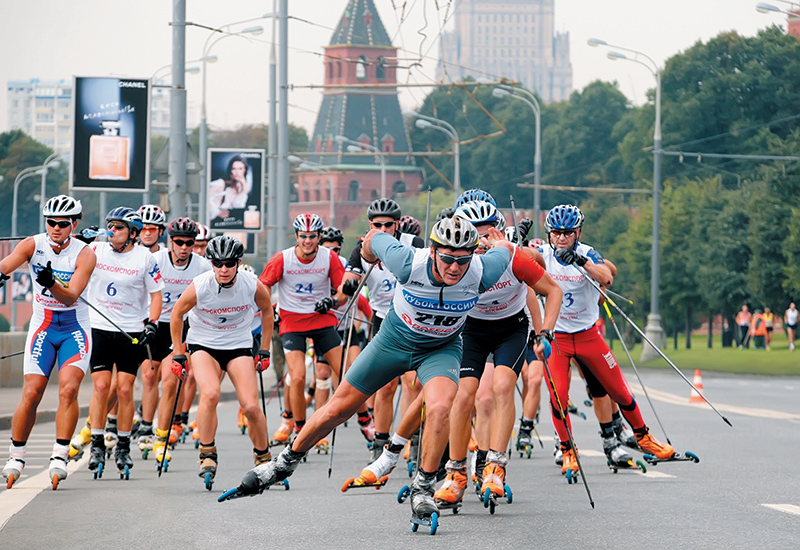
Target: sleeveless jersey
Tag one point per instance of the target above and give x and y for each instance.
(436, 311)
(579, 307)
(120, 287)
(791, 316)
(222, 318)
(176, 279)
(303, 285)
(381, 283)
(63, 265)
(507, 296)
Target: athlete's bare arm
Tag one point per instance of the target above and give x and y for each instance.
(263, 300)
(22, 253)
(84, 265)
(184, 304)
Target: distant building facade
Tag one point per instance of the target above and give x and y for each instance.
(43, 110)
(513, 39)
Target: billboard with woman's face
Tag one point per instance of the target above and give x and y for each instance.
(235, 197)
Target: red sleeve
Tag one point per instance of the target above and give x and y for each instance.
(363, 306)
(336, 271)
(273, 271)
(525, 268)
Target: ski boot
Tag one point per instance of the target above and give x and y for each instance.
(146, 440)
(175, 434)
(477, 473)
(524, 442)
(322, 446)
(260, 478)
(263, 458)
(376, 474)
(97, 458)
(241, 421)
(557, 454)
(161, 451)
(16, 462)
(80, 441)
(451, 494)
(624, 434)
(110, 437)
(58, 464)
(617, 457)
(281, 435)
(652, 446)
(367, 425)
(423, 507)
(208, 464)
(569, 467)
(137, 421)
(195, 433)
(376, 448)
(122, 456)
(413, 452)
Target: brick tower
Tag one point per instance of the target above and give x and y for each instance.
(360, 104)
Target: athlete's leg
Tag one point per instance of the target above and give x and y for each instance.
(384, 407)
(484, 407)
(322, 384)
(169, 385)
(296, 363)
(342, 405)
(334, 358)
(150, 379)
(439, 392)
(559, 366)
(532, 394)
(411, 390)
(207, 374)
(69, 382)
(101, 385)
(243, 377)
(503, 417)
(461, 416)
(24, 418)
(125, 397)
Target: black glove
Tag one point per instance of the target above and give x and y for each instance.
(3, 279)
(324, 305)
(45, 276)
(349, 287)
(523, 228)
(263, 360)
(89, 234)
(569, 256)
(148, 334)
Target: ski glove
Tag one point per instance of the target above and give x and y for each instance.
(545, 337)
(324, 305)
(148, 334)
(569, 256)
(349, 287)
(523, 228)
(45, 276)
(3, 279)
(179, 365)
(263, 360)
(89, 234)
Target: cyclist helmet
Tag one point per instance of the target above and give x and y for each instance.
(383, 207)
(455, 233)
(62, 206)
(307, 222)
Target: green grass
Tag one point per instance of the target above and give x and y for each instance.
(779, 361)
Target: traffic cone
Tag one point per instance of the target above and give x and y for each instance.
(698, 383)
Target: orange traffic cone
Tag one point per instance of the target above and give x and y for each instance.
(698, 383)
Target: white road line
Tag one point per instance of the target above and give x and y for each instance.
(15, 499)
(788, 508)
(651, 473)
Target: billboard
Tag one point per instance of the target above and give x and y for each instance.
(110, 134)
(234, 190)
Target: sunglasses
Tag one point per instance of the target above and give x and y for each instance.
(313, 237)
(63, 224)
(378, 225)
(226, 263)
(149, 229)
(336, 248)
(116, 226)
(565, 232)
(448, 259)
(181, 242)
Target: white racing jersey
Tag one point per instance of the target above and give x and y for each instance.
(63, 265)
(120, 287)
(223, 317)
(506, 297)
(579, 307)
(303, 285)
(436, 311)
(176, 279)
(382, 283)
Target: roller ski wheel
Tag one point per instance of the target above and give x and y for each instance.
(573, 409)
(431, 522)
(125, 473)
(524, 450)
(209, 481)
(444, 505)
(322, 447)
(145, 453)
(572, 476)
(12, 478)
(233, 494)
(359, 481)
(98, 473)
(403, 494)
(677, 457)
(55, 481)
(630, 465)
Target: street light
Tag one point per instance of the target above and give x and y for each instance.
(502, 91)
(424, 121)
(54, 158)
(357, 146)
(653, 329)
(23, 174)
(307, 165)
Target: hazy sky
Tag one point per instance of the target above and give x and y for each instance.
(55, 39)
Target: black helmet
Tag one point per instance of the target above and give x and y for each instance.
(383, 207)
(331, 234)
(182, 227)
(445, 213)
(224, 248)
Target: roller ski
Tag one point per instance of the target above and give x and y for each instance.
(122, 457)
(625, 435)
(376, 474)
(656, 452)
(284, 431)
(424, 511)
(58, 465)
(524, 441)
(241, 421)
(677, 457)
(262, 477)
(208, 465)
(80, 441)
(569, 466)
(97, 456)
(354, 483)
(451, 494)
(367, 426)
(161, 451)
(110, 439)
(322, 446)
(413, 452)
(494, 485)
(16, 463)
(478, 466)
(618, 459)
(146, 441)
(573, 409)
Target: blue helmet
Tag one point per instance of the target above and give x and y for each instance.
(564, 216)
(126, 215)
(475, 195)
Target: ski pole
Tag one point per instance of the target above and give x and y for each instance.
(354, 298)
(12, 354)
(343, 365)
(620, 296)
(646, 339)
(275, 391)
(514, 217)
(174, 408)
(261, 383)
(628, 353)
(427, 216)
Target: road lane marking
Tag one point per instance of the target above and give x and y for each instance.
(788, 508)
(651, 473)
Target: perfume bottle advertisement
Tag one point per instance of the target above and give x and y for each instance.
(111, 135)
(235, 189)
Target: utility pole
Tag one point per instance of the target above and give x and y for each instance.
(177, 113)
(282, 182)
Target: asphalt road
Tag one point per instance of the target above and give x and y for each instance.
(742, 494)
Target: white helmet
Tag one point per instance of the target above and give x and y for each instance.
(62, 206)
(153, 215)
(203, 234)
(455, 233)
(478, 213)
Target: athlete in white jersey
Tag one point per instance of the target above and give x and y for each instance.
(178, 266)
(154, 222)
(221, 304)
(125, 281)
(59, 330)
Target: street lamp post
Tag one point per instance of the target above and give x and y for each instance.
(504, 90)
(447, 128)
(43, 192)
(653, 329)
(23, 174)
(357, 146)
